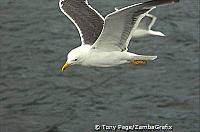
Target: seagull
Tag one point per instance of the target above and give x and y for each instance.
(144, 27)
(104, 41)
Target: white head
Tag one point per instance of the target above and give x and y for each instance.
(76, 56)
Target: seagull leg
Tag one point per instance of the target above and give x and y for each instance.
(138, 62)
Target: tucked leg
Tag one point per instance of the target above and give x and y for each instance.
(138, 62)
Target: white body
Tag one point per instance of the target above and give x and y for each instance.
(97, 58)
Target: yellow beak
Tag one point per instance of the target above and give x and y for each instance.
(65, 66)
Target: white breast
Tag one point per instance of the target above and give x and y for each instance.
(106, 59)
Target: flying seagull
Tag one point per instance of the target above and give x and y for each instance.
(105, 41)
(144, 27)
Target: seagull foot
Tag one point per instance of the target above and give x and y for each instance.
(138, 62)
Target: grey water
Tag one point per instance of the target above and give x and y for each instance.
(35, 96)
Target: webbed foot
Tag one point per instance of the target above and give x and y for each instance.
(138, 62)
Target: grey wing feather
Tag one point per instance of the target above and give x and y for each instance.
(87, 20)
(146, 22)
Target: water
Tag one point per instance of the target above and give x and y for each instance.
(36, 97)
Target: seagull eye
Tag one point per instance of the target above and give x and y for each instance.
(75, 59)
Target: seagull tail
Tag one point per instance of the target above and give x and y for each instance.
(159, 2)
(144, 57)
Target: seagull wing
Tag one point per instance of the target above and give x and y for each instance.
(147, 22)
(87, 20)
(118, 25)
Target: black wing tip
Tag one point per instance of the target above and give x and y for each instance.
(160, 2)
(168, 1)
(176, 0)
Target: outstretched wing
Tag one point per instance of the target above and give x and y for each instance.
(118, 25)
(87, 20)
(146, 22)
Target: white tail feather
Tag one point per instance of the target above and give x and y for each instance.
(144, 57)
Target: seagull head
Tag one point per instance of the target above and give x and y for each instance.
(75, 56)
